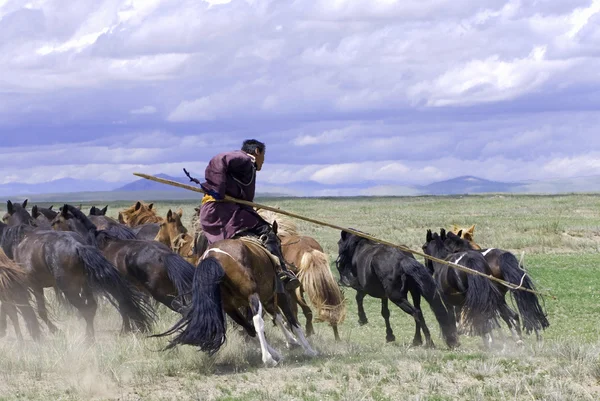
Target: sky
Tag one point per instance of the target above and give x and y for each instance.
(343, 92)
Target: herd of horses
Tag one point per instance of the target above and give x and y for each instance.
(141, 259)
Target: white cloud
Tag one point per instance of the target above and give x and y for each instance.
(144, 110)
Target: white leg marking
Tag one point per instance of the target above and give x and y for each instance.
(259, 325)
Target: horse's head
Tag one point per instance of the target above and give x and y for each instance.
(94, 211)
(170, 228)
(455, 243)
(71, 218)
(466, 233)
(17, 214)
(434, 246)
(140, 213)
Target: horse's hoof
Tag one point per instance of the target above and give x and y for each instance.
(391, 338)
(429, 345)
(311, 353)
(362, 322)
(270, 362)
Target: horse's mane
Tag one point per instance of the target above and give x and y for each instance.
(346, 250)
(285, 226)
(100, 237)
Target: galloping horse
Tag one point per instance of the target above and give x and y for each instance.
(388, 273)
(307, 259)
(478, 299)
(506, 266)
(150, 265)
(60, 259)
(234, 275)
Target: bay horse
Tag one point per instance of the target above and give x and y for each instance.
(478, 299)
(506, 266)
(63, 260)
(311, 264)
(150, 265)
(235, 275)
(388, 273)
(14, 296)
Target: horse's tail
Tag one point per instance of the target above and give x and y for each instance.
(180, 272)
(14, 291)
(324, 293)
(104, 277)
(60, 298)
(482, 300)
(532, 313)
(430, 291)
(203, 321)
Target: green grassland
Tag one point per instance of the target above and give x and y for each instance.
(557, 236)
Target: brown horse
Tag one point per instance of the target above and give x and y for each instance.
(62, 260)
(150, 265)
(142, 219)
(175, 235)
(234, 275)
(14, 295)
(506, 266)
(311, 264)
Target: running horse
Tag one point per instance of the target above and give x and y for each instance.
(306, 258)
(506, 266)
(236, 275)
(62, 260)
(477, 298)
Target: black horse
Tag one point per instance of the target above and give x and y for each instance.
(388, 273)
(63, 260)
(476, 296)
(506, 266)
(149, 265)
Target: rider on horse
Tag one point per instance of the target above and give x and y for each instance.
(234, 174)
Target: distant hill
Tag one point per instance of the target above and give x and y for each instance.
(468, 185)
(69, 189)
(146, 185)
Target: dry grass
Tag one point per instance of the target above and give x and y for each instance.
(559, 235)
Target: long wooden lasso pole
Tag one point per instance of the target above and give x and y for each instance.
(228, 198)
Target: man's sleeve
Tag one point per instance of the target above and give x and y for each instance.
(216, 174)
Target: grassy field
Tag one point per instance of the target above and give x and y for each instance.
(560, 239)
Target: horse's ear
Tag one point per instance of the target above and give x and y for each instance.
(180, 212)
(64, 211)
(80, 206)
(169, 216)
(150, 206)
(24, 205)
(471, 229)
(443, 234)
(459, 234)
(121, 219)
(429, 236)
(51, 206)
(35, 212)
(10, 207)
(138, 205)
(275, 226)
(104, 210)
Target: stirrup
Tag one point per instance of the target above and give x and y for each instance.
(290, 281)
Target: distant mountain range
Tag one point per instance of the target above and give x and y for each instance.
(69, 189)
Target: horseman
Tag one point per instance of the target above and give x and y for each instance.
(234, 174)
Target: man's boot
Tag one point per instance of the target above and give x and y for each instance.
(288, 278)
